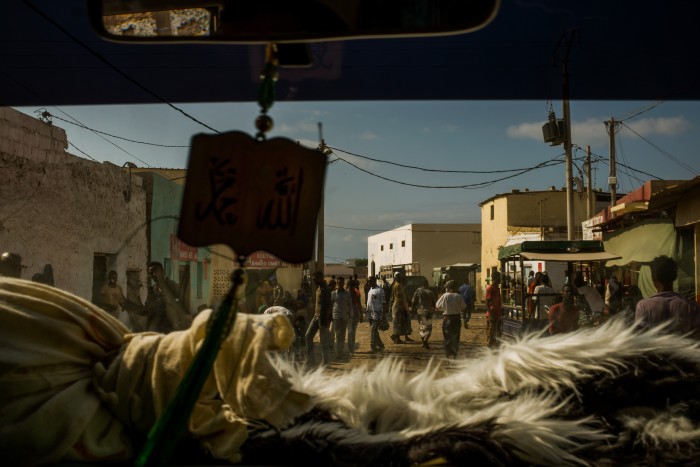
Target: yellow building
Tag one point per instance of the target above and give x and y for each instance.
(514, 217)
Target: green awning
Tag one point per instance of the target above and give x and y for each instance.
(642, 242)
(645, 241)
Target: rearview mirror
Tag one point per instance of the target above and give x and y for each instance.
(253, 21)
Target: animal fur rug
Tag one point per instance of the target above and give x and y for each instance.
(611, 395)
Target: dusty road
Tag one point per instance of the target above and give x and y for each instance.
(414, 356)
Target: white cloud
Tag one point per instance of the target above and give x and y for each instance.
(592, 131)
(526, 131)
(369, 136)
(302, 126)
(665, 126)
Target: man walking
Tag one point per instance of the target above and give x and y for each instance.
(401, 325)
(467, 293)
(375, 313)
(342, 314)
(423, 304)
(452, 305)
(321, 321)
(164, 308)
(356, 316)
(494, 311)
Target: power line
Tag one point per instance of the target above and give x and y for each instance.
(394, 230)
(667, 154)
(636, 113)
(468, 186)
(604, 160)
(426, 169)
(82, 152)
(85, 127)
(114, 67)
(44, 114)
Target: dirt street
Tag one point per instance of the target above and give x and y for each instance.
(414, 356)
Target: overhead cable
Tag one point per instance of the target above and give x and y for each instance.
(85, 127)
(114, 67)
(429, 170)
(665, 153)
(467, 186)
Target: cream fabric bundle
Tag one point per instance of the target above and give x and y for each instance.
(74, 385)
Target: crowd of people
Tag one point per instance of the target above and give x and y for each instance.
(333, 308)
(579, 303)
(337, 309)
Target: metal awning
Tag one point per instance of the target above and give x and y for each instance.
(581, 256)
(557, 250)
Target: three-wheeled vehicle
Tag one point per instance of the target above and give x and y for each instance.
(567, 259)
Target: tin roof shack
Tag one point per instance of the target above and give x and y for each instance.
(661, 217)
(577, 256)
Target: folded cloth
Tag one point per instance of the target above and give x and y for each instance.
(75, 385)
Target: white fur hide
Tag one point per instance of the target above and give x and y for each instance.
(528, 389)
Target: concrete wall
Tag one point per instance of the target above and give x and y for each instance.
(59, 209)
(494, 233)
(429, 245)
(436, 245)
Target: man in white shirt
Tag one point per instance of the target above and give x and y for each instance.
(590, 294)
(453, 307)
(375, 313)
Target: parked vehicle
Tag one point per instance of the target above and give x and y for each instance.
(578, 256)
(457, 272)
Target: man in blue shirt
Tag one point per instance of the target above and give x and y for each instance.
(467, 293)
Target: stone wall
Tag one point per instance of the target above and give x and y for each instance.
(60, 209)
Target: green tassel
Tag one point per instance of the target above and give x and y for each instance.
(172, 424)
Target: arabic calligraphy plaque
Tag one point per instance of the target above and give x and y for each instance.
(252, 195)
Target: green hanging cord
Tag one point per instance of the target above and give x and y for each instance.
(266, 96)
(172, 424)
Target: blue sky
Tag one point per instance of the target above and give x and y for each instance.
(455, 135)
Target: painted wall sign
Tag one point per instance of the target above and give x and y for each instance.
(181, 251)
(252, 195)
(261, 259)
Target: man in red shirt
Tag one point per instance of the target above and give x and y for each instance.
(563, 316)
(494, 311)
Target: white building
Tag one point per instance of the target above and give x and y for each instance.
(429, 245)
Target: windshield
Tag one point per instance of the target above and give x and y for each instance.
(133, 331)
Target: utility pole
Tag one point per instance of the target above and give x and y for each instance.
(569, 169)
(612, 179)
(589, 185)
(320, 254)
(567, 134)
